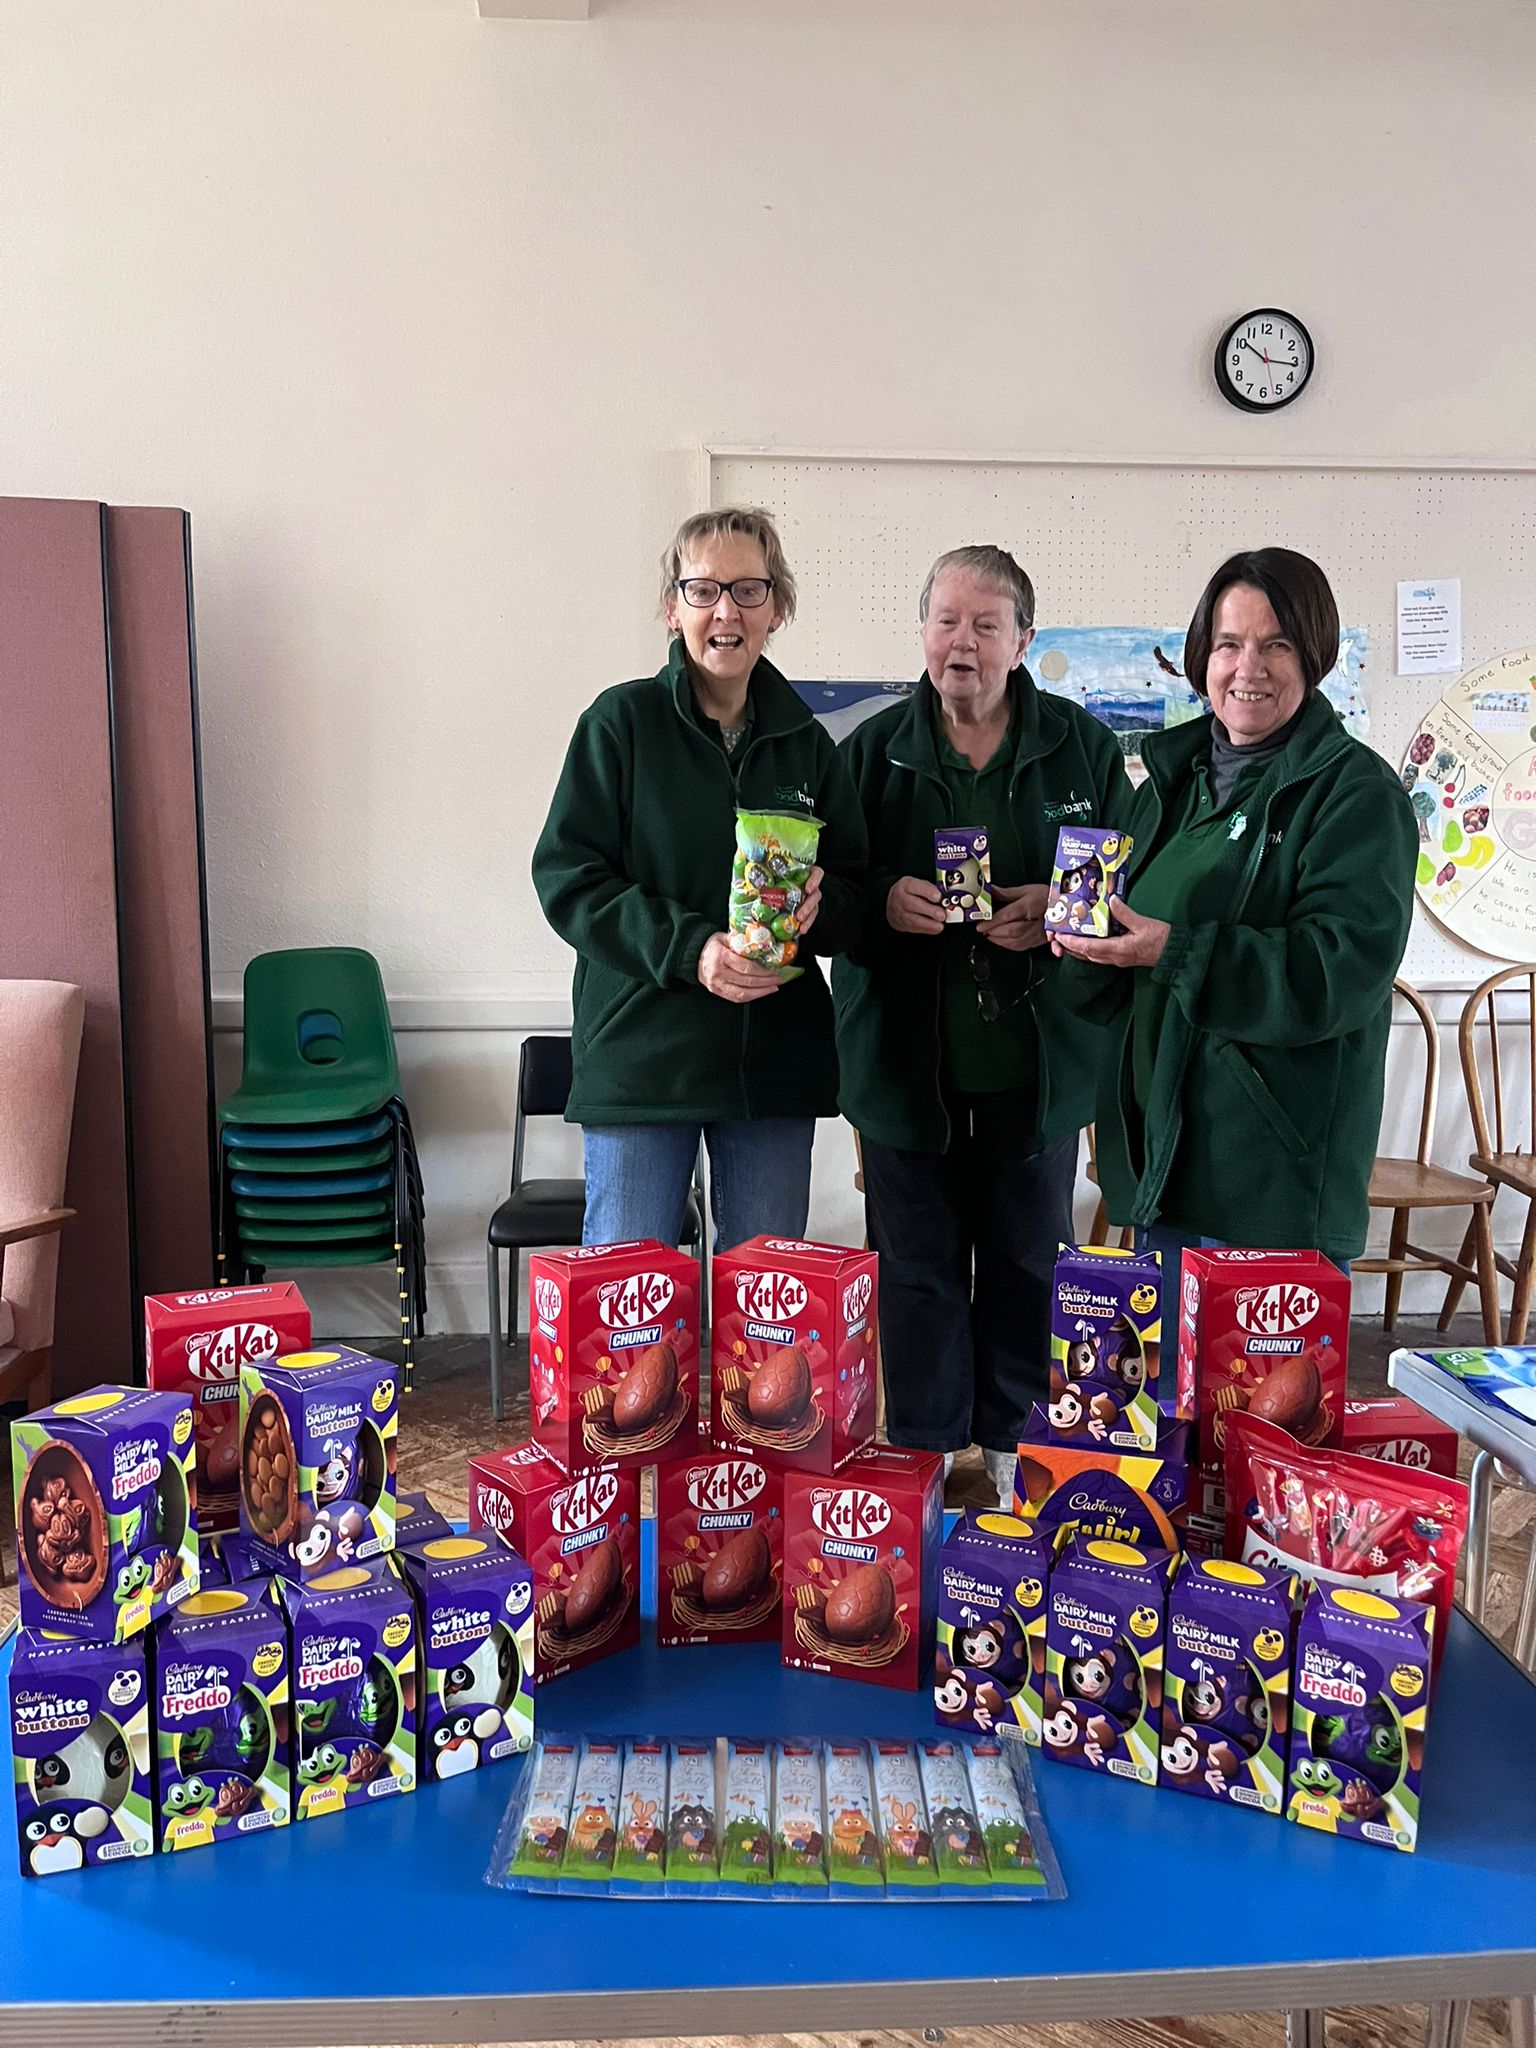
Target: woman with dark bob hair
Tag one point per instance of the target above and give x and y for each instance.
(1249, 993)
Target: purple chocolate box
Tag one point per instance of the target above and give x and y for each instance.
(106, 1512)
(962, 866)
(317, 1459)
(474, 1608)
(990, 1668)
(1106, 1613)
(1088, 876)
(80, 1741)
(1106, 1351)
(1226, 1683)
(354, 1687)
(221, 1719)
(417, 1521)
(1362, 1700)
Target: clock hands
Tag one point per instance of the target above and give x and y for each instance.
(1279, 363)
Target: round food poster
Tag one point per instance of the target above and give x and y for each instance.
(1470, 772)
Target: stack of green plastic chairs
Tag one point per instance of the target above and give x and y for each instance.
(317, 1162)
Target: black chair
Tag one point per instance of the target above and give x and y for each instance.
(546, 1212)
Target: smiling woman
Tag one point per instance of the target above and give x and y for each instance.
(1268, 902)
(675, 1035)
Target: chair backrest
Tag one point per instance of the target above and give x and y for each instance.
(40, 1028)
(543, 1088)
(317, 1013)
(1496, 1137)
(1431, 1029)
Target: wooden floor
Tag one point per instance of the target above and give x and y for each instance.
(447, 1419)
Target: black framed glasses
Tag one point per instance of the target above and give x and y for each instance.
(704, 592)
(986, 995)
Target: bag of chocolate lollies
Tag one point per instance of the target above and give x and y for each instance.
(775, 852)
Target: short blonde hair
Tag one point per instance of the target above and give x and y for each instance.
(725, 523)
(994, 567)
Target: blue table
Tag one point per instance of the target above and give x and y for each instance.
(375, 1926)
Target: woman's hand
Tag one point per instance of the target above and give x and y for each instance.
(1140, 945)
(732, 978)
(1020, 925)
(810, 902)
(915, 906)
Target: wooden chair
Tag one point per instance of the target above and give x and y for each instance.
(1505, 1165)
(1404, 1185)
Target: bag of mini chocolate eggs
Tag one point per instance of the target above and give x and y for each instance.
(775, 852)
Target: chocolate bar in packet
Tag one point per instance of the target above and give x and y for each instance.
(1336, 1519)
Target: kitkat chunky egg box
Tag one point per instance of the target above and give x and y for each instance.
(581, 1538)
(1260, 1333)
(792, 1354)
(613, 1354)
(195, 1344)
(861, 1556)
(719, 1551)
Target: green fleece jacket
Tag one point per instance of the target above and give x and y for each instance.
(1067, 770)
(633, 869)
(1264, 1108)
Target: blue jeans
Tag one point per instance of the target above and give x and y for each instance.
(1174, 1243)
(638, 1176)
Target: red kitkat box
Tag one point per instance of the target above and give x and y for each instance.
(613, 1351)
(861, 1567)
(792, 1352)
(1263, 1331)
(1398, 1431)
(719, 1551)
(581, 1537)
(196, 1344)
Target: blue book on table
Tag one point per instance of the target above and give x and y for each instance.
(1503, 1380)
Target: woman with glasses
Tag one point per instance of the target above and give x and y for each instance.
(966, 1081)
(675, 1035)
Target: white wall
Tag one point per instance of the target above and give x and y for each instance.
(425, 317)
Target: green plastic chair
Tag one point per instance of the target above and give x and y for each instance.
(318, 1043)
(360, 1209)
(368, 1253)
(357, 1159)
(296, 1230)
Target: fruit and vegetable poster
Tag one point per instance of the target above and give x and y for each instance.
(1470, 772)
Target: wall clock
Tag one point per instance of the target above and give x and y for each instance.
(1264, 360)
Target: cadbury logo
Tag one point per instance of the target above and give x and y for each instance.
(1276, 1311)
(774, 1297)
(851, 1512)
(220, 1354)
(641, 1298)
(577, 1507)
(729, 1483)
(546, 1298)
(856, 1297)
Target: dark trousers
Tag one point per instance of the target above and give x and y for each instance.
(967, 1242)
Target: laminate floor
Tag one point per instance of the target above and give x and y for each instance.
(447, 1418)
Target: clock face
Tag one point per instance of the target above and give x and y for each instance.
(1263, 360)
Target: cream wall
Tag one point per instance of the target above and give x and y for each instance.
(425, 318)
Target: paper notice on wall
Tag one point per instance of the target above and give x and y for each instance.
(1429, 627)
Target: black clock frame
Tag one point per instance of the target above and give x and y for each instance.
(1219, 361)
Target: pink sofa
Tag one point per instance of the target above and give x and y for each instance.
(40, 1027)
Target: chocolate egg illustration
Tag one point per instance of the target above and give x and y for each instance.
(861, 1606)
(268, 1471)
(61, 1528)
(780, 1390)
(737, 1572)
(594, 1588)
(1289, 1396)
(646, 1390)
